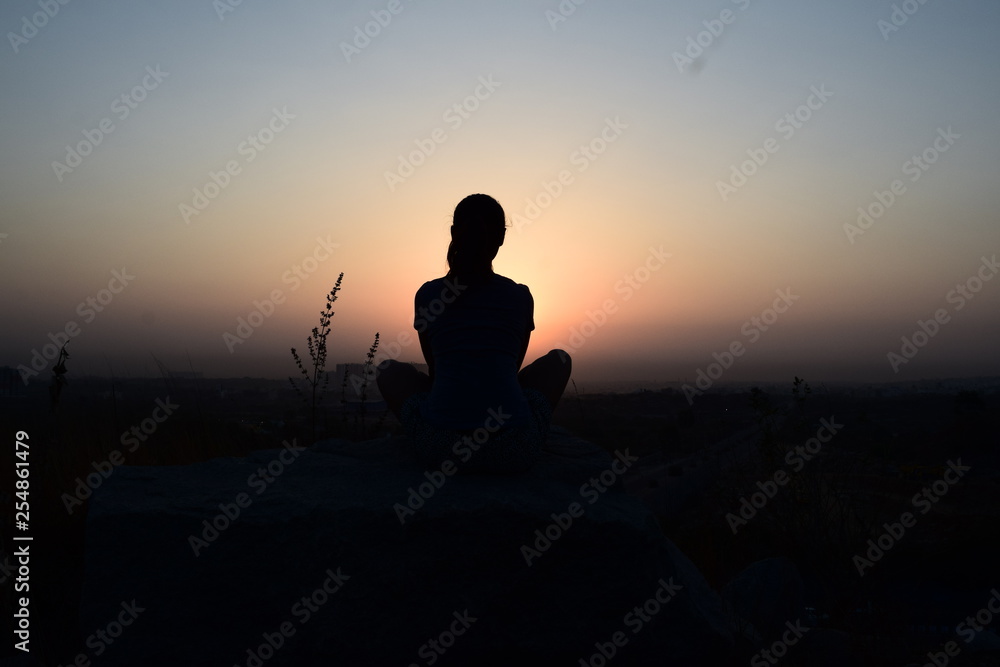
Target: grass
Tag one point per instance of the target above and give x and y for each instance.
(316, 377)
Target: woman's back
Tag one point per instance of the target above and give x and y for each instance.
(477, 342)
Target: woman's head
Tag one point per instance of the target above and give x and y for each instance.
(477, 232)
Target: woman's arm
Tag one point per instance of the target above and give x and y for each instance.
(425, 347)
(530, 313)
(524, 350)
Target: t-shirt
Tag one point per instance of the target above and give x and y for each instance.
(476, 334)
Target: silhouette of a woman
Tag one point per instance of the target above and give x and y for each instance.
(474, 407)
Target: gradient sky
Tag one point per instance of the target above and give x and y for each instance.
(608, 67)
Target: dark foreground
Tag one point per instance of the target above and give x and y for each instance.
(865, 519)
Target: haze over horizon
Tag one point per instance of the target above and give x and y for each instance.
(773, 188)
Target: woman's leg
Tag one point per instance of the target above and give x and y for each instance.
(398, 381)
(548, 374)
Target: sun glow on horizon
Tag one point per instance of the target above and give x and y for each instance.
(601, 152)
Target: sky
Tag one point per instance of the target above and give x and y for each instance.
(697, 191)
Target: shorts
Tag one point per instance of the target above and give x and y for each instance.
(512, 448)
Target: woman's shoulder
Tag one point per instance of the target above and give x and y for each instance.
(430, 284)
(439, 287)
(448, 287)
(508, 286)
(507, 283)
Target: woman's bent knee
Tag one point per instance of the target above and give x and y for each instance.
(561, 355)
(390, 366)
(390, 373)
